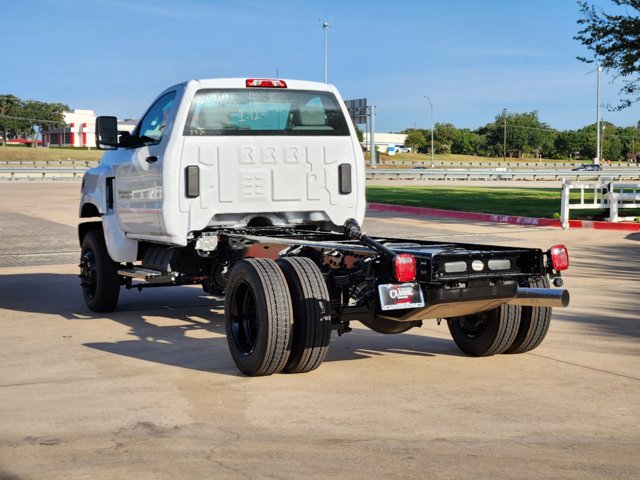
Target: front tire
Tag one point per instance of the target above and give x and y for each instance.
(100, 282)
(486, 333)
(258, 317)
(311, 314)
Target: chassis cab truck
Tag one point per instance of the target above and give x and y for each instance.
(254, 189)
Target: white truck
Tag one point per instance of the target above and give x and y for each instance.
(254, 188)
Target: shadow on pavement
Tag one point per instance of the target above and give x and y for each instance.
(633, 236)
(181, 326)
(615, 271)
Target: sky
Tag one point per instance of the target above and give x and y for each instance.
(472, 58)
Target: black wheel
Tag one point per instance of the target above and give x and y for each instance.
(534, 323)
(99, 274)
(311, 314)
(486, 333)
(258, 317)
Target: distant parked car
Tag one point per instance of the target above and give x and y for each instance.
(403, 149)
(588, 167)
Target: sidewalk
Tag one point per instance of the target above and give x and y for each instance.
(495, 218)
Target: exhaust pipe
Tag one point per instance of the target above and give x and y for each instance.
(541, 297)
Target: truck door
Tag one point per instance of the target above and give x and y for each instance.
(138, 185)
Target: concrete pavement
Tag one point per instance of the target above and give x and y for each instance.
(150, 391)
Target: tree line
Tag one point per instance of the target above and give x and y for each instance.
(518, 135)
(24, 119)
(613, 41)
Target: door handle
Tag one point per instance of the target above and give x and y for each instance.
(151, 159)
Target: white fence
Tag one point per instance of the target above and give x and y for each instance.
(497, 174)
(607, 194)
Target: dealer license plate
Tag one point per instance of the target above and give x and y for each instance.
(398, 296)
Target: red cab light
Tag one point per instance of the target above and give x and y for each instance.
(559, 257)
(405, 267)
(265, 83)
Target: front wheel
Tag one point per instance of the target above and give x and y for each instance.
(486, 333)
(258, 317)
(99, 274)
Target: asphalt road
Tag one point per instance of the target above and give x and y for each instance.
(151, 391)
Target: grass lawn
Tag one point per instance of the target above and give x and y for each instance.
(448, 157)
(43, 154)
(528, 202)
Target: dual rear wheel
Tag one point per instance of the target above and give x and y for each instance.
(277, 316)
(505, 329)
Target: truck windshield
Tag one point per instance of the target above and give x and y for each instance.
(265, 112)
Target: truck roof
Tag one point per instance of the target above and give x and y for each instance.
(242, 83)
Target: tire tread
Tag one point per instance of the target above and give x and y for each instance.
(272, 298)
(534, 324)
(312, 319)
(107, 291)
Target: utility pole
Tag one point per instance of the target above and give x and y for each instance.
(325, 25)
(598, 148)
(432, 128)
(604, 127)
(372, 140)
(504, 135)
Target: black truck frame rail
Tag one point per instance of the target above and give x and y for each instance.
(456, 279)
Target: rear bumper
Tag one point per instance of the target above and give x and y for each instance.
(447, 303)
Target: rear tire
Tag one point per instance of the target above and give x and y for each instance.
(311, 314)
(534, 323)
(486, 333)
(99, 274)
(258, 317)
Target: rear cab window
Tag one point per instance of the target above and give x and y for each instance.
(253, 112)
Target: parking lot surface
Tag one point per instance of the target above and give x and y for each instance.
(150, 391)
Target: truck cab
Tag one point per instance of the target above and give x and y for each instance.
(220, 153)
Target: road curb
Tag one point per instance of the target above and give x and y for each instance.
(494, 218)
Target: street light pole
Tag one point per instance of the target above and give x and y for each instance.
(325, 25)
(432, 127)
(598, 149)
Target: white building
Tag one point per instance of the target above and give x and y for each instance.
(385, 140)
(80, 130)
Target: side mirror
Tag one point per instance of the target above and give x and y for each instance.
(107, 133)
(126, 140)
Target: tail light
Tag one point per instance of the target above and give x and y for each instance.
(559, 257)
(265, 83)
(405, 267)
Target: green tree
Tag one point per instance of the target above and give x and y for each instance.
(525, 135)
(630, 137)
(11, 108)
(588, 141)
(415, 139)
(41, 116)
(612, 146)
(568, 144)
(611, 142)
(444, 134)
(614, 41)
(24, 119)
(468, 143)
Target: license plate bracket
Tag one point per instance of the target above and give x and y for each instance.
(395, 296)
